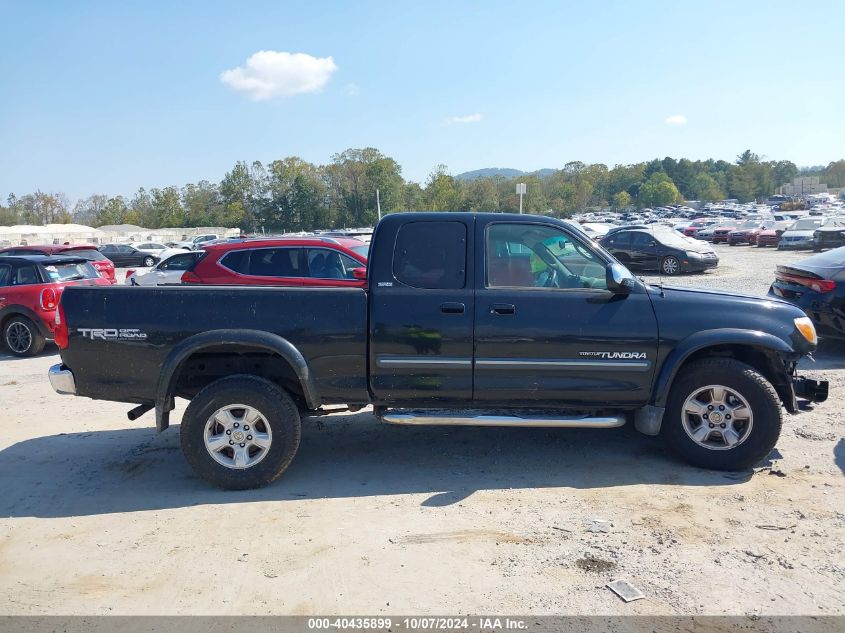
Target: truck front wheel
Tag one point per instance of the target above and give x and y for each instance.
(722, 414)
(240, 432)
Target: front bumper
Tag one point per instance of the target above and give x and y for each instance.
(812, 390)
(61, 379)
(689, 265)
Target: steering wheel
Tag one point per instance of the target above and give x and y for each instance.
(551, 280)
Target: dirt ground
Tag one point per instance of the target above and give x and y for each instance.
(99, 515)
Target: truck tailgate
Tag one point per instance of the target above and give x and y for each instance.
(120, 336)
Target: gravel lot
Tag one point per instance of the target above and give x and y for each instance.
(102, 516)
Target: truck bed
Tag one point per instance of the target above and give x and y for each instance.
(121, 336)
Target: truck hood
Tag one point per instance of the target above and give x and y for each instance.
(717, 310)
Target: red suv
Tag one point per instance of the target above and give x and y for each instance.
(101, 263)
(30, 289)
(317, 261)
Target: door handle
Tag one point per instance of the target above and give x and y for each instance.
(452, 308)
(502, 308)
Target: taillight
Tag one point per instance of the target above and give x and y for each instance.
(190, 278)
(60, 335)
(819, 285)
(48, 299)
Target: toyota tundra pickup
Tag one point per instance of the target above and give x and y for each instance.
(468, 319)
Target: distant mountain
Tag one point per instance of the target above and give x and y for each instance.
(504, 172)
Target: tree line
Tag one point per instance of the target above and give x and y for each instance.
(294, 195)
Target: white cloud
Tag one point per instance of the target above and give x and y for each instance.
(470, 118)
(676, 119)
(269, 74)
(352, 90)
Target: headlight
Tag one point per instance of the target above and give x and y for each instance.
(807, 329)
(694, 255)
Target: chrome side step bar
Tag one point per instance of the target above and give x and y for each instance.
(421, 418)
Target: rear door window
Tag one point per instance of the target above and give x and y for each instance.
(5, 274)
(325, 263)
(266, 262)
(641, 240)
(431, 255)
(26, 275)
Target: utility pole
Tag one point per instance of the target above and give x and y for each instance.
(520, 189)
(378, 204)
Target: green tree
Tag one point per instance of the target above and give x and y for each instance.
(621, 200)
(659, 190)
(481, 195)
(115, 211)
(704, 187)
(442, 191)
(414, 197)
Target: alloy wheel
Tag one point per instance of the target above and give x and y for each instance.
(237, 436)
(18, 337)
(717, 417)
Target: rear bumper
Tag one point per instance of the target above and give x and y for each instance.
(812, 390)
(61, 379)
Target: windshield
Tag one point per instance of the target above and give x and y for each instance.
(806, 224)
(364, 250)
(70, 272)
(673, 238)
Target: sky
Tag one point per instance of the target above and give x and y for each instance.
(106, 97)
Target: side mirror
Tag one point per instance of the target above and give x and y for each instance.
(619, 279)
(359, 273)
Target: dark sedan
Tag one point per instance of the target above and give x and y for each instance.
(817, 286)
(662, 249)
(830, 235)
(123, 255)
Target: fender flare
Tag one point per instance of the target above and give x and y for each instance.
(215, 338)
(20, 310)
(710, 338)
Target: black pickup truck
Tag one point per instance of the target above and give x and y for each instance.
(469, 319)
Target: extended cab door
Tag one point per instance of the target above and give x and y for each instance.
(421, 311)
(548, 331)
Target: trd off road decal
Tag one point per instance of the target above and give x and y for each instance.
(112, 334)
(615, 355)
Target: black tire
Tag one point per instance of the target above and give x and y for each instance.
(22, 337)
(673, 264)
(760, 395)
(149, 261)
(276, 407)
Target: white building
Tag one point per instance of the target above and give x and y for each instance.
(803, 186)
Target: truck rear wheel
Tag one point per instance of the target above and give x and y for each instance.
(722, 414)
(240, 432)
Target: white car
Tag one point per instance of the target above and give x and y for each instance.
(197, 241)
(153, 248)
(167, 272)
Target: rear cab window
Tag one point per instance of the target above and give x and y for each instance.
(431, 255)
